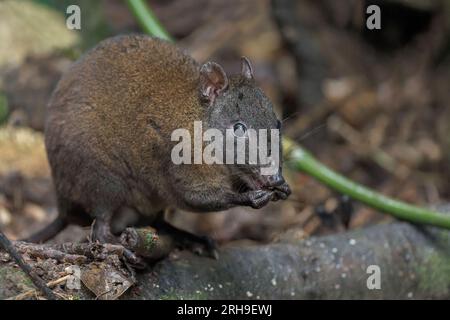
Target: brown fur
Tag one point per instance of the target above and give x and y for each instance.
(108, 133)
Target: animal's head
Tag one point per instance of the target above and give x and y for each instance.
(238, 108)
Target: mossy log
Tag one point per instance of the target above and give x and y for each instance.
(414, 262)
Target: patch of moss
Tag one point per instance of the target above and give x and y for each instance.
(75, 297)
(150, 241)
(13, 281)
(15, 275)
(434, 274)
(198, 295)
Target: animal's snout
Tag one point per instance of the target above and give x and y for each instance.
(277, 184)
(275, 180)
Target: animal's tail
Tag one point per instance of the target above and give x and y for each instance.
(49, 231)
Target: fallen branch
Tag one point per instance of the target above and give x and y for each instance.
(413, 263)
(49, 252)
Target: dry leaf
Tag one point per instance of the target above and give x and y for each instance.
(105, 281)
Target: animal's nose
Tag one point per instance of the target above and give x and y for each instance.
(276, 179)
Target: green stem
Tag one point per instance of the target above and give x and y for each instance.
(147, 19)
(3, 108)
(301, 160)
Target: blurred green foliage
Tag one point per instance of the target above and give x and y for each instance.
(3, 108)
(94, 25)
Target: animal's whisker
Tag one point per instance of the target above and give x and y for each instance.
(311, 132)
(295, 114)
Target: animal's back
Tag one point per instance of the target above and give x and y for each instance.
(113, 112)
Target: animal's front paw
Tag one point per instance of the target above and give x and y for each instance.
(259, 198)
(281, 192)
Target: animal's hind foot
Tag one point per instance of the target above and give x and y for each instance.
(101, 233)
(201, 245)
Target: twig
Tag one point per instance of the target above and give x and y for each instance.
(49, 252)
(37, 281)
(352, 136)
(30, 293)
(75, 253)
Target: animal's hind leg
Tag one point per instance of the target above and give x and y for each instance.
(101, 232)
(101, 228)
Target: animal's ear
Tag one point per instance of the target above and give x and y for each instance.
(246, 68)
(213, 81)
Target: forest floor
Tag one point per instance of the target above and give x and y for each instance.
(371, 106)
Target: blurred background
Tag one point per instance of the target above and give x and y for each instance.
(371, 104)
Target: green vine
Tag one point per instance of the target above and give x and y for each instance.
(147, 20)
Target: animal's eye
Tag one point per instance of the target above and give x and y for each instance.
(239, 129)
